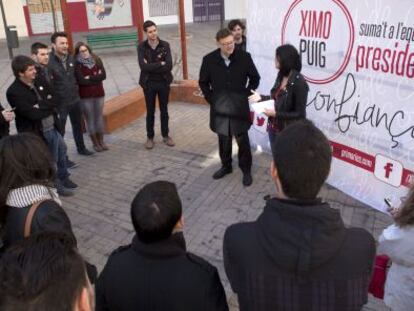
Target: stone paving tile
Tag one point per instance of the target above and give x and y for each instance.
(108, 182)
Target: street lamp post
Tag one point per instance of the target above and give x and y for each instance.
(6, 29)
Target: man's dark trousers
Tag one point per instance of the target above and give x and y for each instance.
(244, 153)
(75, 116)
(153, 89)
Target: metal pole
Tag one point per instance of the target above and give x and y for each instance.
(222, 15)
(66, 23)
(3, 15)
(52, 6)
(140, 20)
(183, 36)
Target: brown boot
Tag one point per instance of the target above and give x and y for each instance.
(101, 141)
(96, 146)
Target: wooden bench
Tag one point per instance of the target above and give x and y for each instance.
(127, 107)
(101, 41)
(123, 109)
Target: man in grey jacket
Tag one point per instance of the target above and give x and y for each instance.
(61, 68)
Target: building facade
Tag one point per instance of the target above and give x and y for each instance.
(37, 17)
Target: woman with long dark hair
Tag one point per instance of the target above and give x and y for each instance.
(397, 242)
(27, 190)
(290, 91)
(90, 73)
(27, 178)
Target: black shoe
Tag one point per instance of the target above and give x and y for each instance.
(71, 164)
(85, 152)
(247, 179)
(63, 191)
(223, 171)
(67, 183)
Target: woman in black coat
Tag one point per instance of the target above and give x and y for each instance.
(27, 178)
(290, 92)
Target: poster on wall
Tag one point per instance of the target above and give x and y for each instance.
(108, 13)
(44, 15)
(358, 58)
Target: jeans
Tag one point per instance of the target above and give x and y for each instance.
(75, 116)
(151, 91)
(57, 148)
(92, 109)
(272, 139)
(244, 154)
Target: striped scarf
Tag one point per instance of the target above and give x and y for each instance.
(28, 195)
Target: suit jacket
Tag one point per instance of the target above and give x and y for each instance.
(64, 80)
(45, 88)
(147, 67)
(159, 276)
(291, 104)
(298, 256)
(24, 98)
(227, 88)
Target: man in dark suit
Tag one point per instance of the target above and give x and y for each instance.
(156, 272)
(227, 76)
(298, 254)
(36, 113)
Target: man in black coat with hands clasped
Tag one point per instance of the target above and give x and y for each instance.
(156, 272)
(227, 76)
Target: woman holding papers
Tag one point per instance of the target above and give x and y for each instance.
(290, 92)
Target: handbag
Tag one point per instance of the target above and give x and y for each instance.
(29, 218)
(377, 284)
(91, 269)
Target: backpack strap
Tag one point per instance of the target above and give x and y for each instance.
(29, 218)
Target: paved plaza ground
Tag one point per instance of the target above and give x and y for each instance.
(108, 181)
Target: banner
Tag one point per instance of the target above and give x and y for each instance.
(358, 58)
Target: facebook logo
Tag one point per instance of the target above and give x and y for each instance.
(388, 170)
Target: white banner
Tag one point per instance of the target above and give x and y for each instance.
(358, 58)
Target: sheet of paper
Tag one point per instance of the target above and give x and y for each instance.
(259, 107)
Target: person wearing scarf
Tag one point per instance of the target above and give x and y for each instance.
(90, 73)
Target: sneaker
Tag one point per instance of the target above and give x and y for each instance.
(223, 171)
(67, 183)
(85, 152)
(64, 192)
(149, 144)
(247, 179)
(168, 141)
(71, 164)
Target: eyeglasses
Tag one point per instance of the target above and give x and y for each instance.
(227, 43)
(83, 51)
